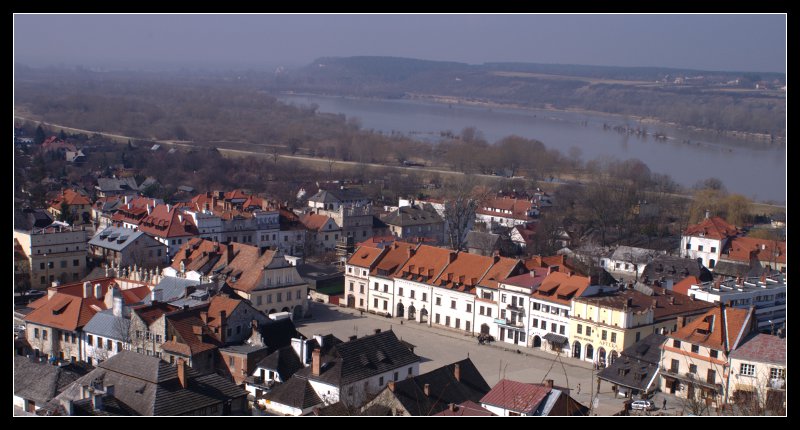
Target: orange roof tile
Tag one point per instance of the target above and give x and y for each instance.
(713, 228)
(768, 251)
(251, 268)
(220, 303)
(64, 311)
(685, 284)
(464, 272)
(364, 256)
(717, 328)
(314, 221)
(163, 223)
(561, 288)
(425, 264)
(500, 270)
(396, 255)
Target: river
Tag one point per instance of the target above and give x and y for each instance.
(687, 156)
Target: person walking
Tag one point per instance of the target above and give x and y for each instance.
(579, 388)
(664, 405)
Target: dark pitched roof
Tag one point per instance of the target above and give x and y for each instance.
(675, 268)
(295, 392)
(466, 409)
(444, 388)
(112, 406)
(637, 364)
(334, 195)
(413, 215)
(762, 348)
(150, 386)
(284, 360)
(39, 381)
(277, 334)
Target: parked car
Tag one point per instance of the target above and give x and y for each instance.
(645, 405)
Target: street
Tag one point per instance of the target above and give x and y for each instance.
(495, 361)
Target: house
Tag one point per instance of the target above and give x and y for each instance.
(507, 212)
(383, 296)
(550, 309)
(423, 265)
(127, 247)
(76, 203)
(191, 339)
(695, 362)
(152, 387)
(55, 326)
(628, 262)
(148, 327)
(109, 331)
(357, 274)
(747, 250)
(133, 210)
(36, 382)
(767, 294)
(512, 398)
(237, 217)
(349, 208)
(322, 230)
(416, 221)
(56, 253)
(487, 244)
(758, 374)
(523, 236)
(433, 392)
(107, 187)
(635, 372)
(604, 324)
(350, 372)
(705, 240)
(332, 199)
(666, 270)
(170, 226)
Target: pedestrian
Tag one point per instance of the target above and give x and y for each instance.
(579, 388)
(664, 406)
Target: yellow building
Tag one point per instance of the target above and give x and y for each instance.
(601, 326)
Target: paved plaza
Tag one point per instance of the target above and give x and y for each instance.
(439, 347)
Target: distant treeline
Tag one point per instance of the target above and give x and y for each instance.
(710, 102)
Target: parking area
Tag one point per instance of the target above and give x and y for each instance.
(496, 361)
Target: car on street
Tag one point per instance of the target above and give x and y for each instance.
(645, 405)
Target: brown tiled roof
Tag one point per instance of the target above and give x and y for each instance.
(426, 264)
(150, 313)
(64, 311)
(717, 328)
(163, 223)
(530, 280)
(463, 273)
(205, 256)
(561, 288)
(314, 222)
(519, 208)
(466, 409)
(763, 348)
(183, 323)
(220, 303)
(516, 396)
(500, 270)
(251, 267)
(768, 251)
(713, 228)
(364, 256)
(71, 197)
(397, 254)
(684, 285)
(668, 304)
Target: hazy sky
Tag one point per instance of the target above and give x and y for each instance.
(706, 42)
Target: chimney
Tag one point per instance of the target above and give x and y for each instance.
(427, 390)
(681, 321)
(452, 256)
(452, 407)
(198, 331)
(56, 283)
(391, 386)
(157, 295)
(180, 218)
(149, 209)
(98, 291)
(533, 273)
(87, 290)
(169, 207)
(51, 292)
(230, 252)
(629, 302)
(672, 300)
(552, 269)
(377, 330)
(204, 317)
(708, 214)
(353, 337)
(68, 406)
(315, 362)
(548, 383)
(182, 377)
(457, 372)
(116, 306)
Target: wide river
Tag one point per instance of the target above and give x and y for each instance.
(687, 156)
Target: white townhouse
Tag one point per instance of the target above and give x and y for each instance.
(356, 275)
(706, 240)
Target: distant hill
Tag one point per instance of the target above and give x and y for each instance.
(713, 100)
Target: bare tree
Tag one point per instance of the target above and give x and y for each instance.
(459, 212)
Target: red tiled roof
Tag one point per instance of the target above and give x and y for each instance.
(516, 396)
(466, 409)
(684, 285)
(197, 254)
(464, 272)
(314, 221)
(530, 280)
(71, 197)
(150, 313)
(768, 251)
(216, 305)
(374, 241)
(762, 348)
(167, 224)
(500, 270)
(426, 263)
(183, 324)
(717, 330)
(364, 256)
(397, 254)
(64, 311)
(519, 208)
(712, 228)
(251, 268)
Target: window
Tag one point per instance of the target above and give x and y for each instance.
(580, 327)
(278, 297)
(469, 307)
(109, 345)
(676, 343)
(544, 325)
(437, 319)
(77, 262)
(603, 335)
(638, 335)
(503, 298)
(699, 247)
(89, 339)
(546, 309)
(380, 381)
(361, 288)
(409, 370)
(385, 288)
(350, 270)
(714, 353)
(258, 300)
(458, 323)
(400, 291)
(613, 336)
(438, 301)
(351, 286)
(44, 334)
(36, 333)
(553, 327)
(63, 263)
(41, 265)
(396, 376)
(452, 304)
(375, 303)
(447, 320)
(298, 294)
(412, 294)
(693, 368)
(776, 373)
(688, 246)
(711, 376)
(467, 323)
(588, 331)
(713, 249)
(481, 310)
(675, 367)
(361, 302)
(119, 346)
(49, 264)
(696, 349)
(269, 298)
(488, 312)
(424, 296)
(385, 305)
(562, 329)
(503, 313)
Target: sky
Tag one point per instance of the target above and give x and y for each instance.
(738, 42)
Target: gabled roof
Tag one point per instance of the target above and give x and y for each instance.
(762, 348)
(413, 215)
(712, 228)
(637, 365)
(463, 273)
(519, 208)
(559, 287)
(675, 268)
(365, 256)
(530, 280)
(466, 408)
(501, 269)
(107, 325)
(221, 303)
(251, 274)
(334, 195)
(184, 322)
(684, 285)
(722, 328)
(425, 265)
(168, 223)
(64, 311)
(743, 249)
(315, 222)
(117, 238)
(284, 360)
(151, 312)
(295, 392)
(40, 381)
(398, 253)
(516, 396)
(71, 197)
(444, 388)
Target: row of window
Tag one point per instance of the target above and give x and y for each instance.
(542, 324)
(279, 296)
(550, 309)
(63, 264)
(437, 320)
(43, 279)
(699, 248)
(696, 348)
(485, 311)
(49, 250)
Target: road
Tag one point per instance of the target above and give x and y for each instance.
(439, 347)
